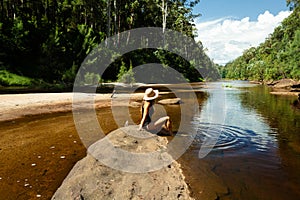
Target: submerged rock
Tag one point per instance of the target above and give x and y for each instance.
(170, 101)
(90, 179)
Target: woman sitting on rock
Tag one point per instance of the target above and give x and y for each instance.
(147, 111)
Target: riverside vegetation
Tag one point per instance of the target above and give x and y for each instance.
(45, 42)
(276, 58)
(48, 40)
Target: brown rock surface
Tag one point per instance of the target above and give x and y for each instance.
(285, 87)
(284, 83)
(90, 179)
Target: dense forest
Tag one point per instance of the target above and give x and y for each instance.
(276, 58)
(46, 41)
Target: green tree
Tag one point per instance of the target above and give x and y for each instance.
(49, 39)
(276, 58)
(126, 76)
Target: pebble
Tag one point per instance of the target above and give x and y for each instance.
(53, 147)
(75, 141)
(39, 156)
(26, 184)
(62, 157)
(38, 195)
(33, 164)
(0, 178)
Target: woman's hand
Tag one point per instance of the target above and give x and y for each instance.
(140, 127)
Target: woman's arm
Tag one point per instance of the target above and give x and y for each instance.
(144, 114)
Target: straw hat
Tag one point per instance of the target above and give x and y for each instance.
(150, 94)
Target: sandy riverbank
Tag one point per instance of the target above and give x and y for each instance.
(35, 154)
(15, 106)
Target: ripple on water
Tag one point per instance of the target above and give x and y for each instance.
(225, 137)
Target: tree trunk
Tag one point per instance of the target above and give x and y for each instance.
(108, 18)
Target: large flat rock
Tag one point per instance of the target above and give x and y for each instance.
(90, 179)
(170, 101)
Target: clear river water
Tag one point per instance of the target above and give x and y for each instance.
(257, 152)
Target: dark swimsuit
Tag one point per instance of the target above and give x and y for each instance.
(148, 116)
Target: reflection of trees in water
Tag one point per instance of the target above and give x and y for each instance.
(276, 110)
(280, 115)
(296, 103)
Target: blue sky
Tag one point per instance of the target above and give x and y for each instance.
(228, 27)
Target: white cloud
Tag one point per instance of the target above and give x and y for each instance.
(227, 38)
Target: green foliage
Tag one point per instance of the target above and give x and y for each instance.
(49, 39)
(293, 3)
(91, 78)
(10, 79)
(278, 57)
(126, 76)
(70, 74)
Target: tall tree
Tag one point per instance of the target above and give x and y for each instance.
(49, 39)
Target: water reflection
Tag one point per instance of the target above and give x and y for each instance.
(241, 126)
(256, 154)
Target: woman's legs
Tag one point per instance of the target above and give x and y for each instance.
(169, 126)
(158, 124)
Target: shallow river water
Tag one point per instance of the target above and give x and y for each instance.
(252, 147)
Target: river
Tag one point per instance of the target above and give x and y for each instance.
(256, 154)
